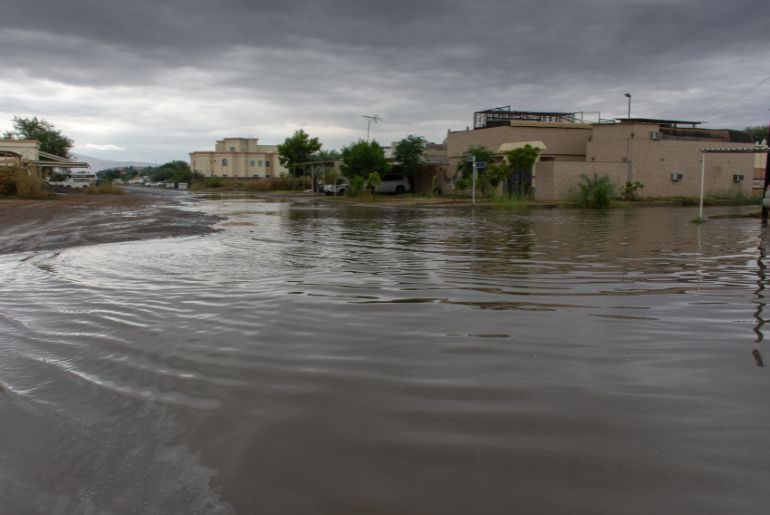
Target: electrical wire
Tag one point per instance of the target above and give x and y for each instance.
(752, 88)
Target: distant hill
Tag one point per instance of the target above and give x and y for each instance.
(105, 164)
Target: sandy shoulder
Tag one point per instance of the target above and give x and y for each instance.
(78, 219)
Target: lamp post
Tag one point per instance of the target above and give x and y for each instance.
(767, 179)
(628, 96)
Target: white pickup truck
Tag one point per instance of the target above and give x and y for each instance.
(390, 183)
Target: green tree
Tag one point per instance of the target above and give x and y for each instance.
(361, 158)
(484, 176)
(757, 133)
(328, 155)
(410, 152)
(519, 163)
(51, 140)
(173, 171)
(299, 148)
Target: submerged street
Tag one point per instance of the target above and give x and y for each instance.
(316, 358)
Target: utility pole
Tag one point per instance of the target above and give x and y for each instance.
(369, 120)
(628, 95)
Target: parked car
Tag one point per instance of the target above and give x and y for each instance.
(393, 183)
(390, 183)
(766, 199)
(340, 188)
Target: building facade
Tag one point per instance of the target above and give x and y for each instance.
(663, 155)
(238, 158)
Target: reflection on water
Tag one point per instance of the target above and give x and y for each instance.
(320, 359)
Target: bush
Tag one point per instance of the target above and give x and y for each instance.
(592, 193)
(630, 189)
(213, 182)
(373, 181)
(18, 183)
(357, 184)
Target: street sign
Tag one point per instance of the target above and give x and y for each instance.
(480, 165)
(470, 159)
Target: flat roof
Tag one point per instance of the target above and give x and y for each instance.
(657, 120)
(736, 150)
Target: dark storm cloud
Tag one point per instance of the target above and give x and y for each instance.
(423, 65)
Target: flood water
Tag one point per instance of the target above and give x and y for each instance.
(317, 359)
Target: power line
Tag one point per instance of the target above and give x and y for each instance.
(752, 88)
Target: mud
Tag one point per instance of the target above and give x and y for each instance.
(78, 219)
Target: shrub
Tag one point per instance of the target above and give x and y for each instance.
(592, 193)
(630, 189)
(213, 182)
(357, 184)
(373, 181)
(23, 185)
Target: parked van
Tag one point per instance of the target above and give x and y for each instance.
(72, 180)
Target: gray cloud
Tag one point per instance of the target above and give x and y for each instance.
(165, 77)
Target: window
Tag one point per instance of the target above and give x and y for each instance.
(267, 164)
(224, 162)
(252, 162)
(260, 162)
(232, 149)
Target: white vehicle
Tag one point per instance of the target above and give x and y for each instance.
(339, 188)
(766, 198)
(72, 180)
(392, 183)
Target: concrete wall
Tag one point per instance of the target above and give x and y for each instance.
(562, 139)
(554, 179)
(653, 162)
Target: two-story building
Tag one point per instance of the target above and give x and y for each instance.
(238, 158)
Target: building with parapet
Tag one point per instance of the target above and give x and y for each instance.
(238, 158)
(663, 155)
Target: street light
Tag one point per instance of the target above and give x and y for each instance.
(628, 95)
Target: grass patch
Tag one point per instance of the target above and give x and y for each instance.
(272, 184)
(511, 202)
(728, 198)
(104, 188)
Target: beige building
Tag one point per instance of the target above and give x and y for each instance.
(664, 155)
(25, 154)
(238, 158)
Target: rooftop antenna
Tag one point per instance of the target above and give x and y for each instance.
(369, 120)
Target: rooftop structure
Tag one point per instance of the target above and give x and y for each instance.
(499, 116)
(671, 124)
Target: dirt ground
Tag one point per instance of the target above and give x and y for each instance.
(80, 219)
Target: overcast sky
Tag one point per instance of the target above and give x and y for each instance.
(154, 80)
